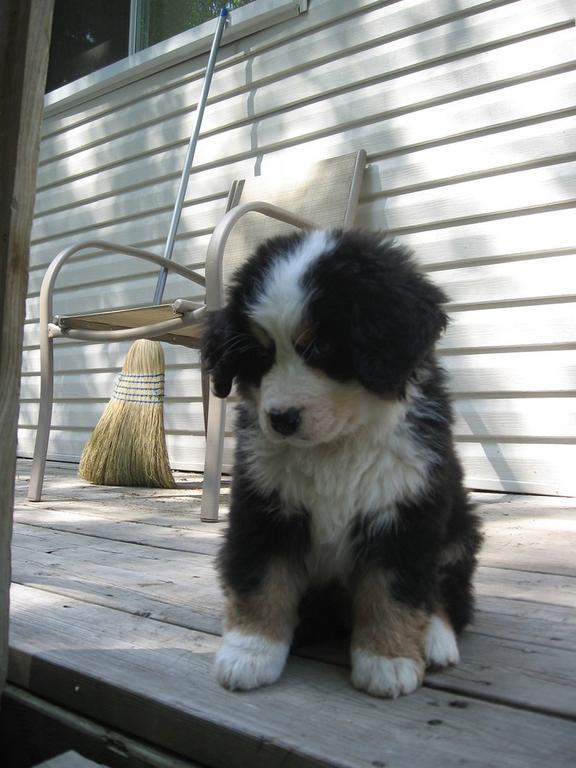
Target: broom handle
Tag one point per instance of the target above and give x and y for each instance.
(177, 212)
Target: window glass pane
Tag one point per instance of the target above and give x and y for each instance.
(86, 35)
(90, 34)
(160, 19)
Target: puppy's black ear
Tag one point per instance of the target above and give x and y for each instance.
(395, 329)
(219, 357)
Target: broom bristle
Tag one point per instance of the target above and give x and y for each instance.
(128, 445)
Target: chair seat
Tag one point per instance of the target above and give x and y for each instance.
(135, 317)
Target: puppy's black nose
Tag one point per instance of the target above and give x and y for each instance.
(285, 422)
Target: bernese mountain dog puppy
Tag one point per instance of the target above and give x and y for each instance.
(345, 472)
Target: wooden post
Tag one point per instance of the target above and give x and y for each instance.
(24, 43)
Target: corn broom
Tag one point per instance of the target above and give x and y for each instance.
(128, 445)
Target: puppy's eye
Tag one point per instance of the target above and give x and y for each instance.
(304, 341)
(309, 346)
(261, 336)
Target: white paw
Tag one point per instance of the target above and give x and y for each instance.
(440, 646)
(246, 661)
(381, 676)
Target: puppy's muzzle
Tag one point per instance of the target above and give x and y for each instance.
(285, 422)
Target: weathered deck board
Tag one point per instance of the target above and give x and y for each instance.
(150, 675)
(116, 609)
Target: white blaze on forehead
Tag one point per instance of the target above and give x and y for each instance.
(280, 303)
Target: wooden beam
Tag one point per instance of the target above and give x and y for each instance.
(24, 43)
(33, 730)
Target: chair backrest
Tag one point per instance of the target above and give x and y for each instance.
(325, 193)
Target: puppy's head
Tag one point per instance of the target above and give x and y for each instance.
(321, 327)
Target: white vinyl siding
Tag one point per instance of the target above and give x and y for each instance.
(467, 112)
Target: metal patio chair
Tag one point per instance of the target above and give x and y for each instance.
(324, 195)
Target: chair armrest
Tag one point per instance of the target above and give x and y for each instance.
(215, 252)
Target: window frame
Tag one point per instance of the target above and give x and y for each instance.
(244, 21)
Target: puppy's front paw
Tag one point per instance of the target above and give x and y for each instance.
(247, 661)
(386, 677)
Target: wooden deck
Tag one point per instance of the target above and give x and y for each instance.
(116, 613)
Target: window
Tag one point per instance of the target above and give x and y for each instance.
(158, 20)
(90, 34)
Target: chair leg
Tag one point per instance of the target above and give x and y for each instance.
(44, 416)
(213, 461)
(205, 397)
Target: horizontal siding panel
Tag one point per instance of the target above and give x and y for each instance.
(104, 267)
(78, 356)
(113, 267)
(540, 326)
(67, 445)
(516, 237)
(189, 249)
(158, 196)
(512, 373)
(199, 216)
(540, 144)
(179, 417)
(520, 468)
(535, 280)
(64, 445)
(482, 198)
(181, 383)
(97, 297)
(155, 175)
(528, 419)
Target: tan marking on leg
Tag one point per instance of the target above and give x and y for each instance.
(270, 611)
(384, 626)
(387, 640)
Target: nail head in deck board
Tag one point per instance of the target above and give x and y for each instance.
(147, 675)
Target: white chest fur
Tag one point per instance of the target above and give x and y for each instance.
(366, 473)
